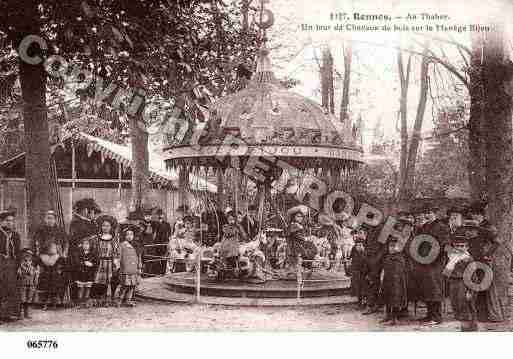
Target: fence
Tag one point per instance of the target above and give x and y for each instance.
(114, 201)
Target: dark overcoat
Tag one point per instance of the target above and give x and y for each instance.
(394, 286)
(429, 276)
(10, 250)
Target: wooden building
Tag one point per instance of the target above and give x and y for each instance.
(88, 166)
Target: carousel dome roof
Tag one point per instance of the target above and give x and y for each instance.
(266, 114)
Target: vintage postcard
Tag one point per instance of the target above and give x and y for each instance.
(255, 165)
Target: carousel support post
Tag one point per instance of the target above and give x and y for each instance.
(299, 277)
(73, 177)
(183, 181)
(263, 190)
(198, 275)
(220, 188)
(2, 192)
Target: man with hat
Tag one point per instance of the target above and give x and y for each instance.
(462, 297)
(374, 252)
(493, 303)
(148, 239)
(455, 218)
(83, 223)
(10, 249)
(429, 275)
(250, 221)
(162, 236)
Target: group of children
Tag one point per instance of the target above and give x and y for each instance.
(104, 269)
(397, 272)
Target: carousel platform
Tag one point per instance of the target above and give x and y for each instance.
(320, 288)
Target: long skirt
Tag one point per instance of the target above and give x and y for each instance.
(462, 308)
(9, 294)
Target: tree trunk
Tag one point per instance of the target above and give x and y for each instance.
(477, 140)
(140, 162)
(409, 179)
(404, 80)
(37, 158)
(327, 86)
(348, 58)
(499, 151)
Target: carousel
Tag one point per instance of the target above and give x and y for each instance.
(259, 144)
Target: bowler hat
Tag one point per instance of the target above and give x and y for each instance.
(7, 213)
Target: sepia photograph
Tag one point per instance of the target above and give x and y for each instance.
(255, 166)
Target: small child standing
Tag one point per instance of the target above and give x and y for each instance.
(84, 262)
(129, 267)
(27, 276)
(358, 271)
(52, 281)
(394, 282)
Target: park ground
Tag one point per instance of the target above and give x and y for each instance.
(159, 316)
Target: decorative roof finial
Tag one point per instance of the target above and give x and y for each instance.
(264, 72)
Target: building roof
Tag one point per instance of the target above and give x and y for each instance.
(123, 154)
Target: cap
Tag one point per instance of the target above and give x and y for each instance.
(7, 213)
(135, 216)
(189, 219)
(107, 218)
(456, 209)
(477, 207)
(297, 209)
(252, 207)
(87, 203)
(26, 252)
(182, 208)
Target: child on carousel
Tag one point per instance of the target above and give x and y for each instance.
(107, 248)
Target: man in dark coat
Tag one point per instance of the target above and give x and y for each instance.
(82, 225)
(250, 222)
(394, 287)
(492, 304)
(10, 251)
(374, 252)
(429, 275)
(162, 236)
(148, 239)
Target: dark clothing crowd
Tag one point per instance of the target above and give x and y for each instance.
(99, 262)
(426, 259)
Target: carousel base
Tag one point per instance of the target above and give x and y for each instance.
(321, 288)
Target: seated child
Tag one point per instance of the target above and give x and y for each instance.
(394, 286)
(462, 297)
(130, 267)
(27, 277)
(52, 279)
(84, 262)
(359, 272)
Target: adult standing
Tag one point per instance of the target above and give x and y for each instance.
(50, 232)
(374, 252)
(148, 236)
(10, 250)
(432, 260)
(162, 237)
(83, 223)
(492, 303)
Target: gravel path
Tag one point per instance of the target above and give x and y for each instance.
(150, 315)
